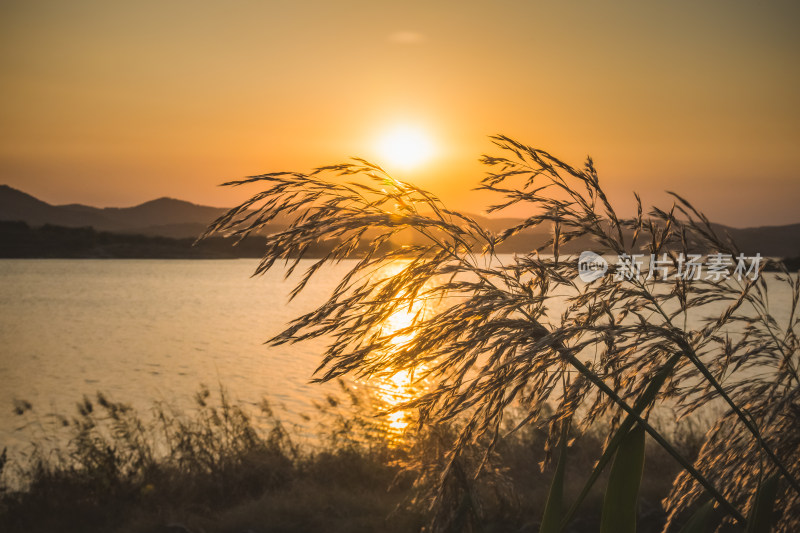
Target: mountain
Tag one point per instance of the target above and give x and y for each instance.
(177, 219)
(776, 241)
(166, 217)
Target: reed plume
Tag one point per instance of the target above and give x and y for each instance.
(621, 346)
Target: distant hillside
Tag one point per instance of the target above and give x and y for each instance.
(177, 219)
(779, 241)
(18, 240)
(769, 241)
(164, 217)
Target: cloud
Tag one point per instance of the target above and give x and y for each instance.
(406, 37)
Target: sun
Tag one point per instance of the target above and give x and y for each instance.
(405, 147)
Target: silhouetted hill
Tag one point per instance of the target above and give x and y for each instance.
(781, 241)
(769, 241)
(163, 212)
(163, 217)
(18, 240)
(17, 205)
(177, 219)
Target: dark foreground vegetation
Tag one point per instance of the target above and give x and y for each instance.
(225, 467)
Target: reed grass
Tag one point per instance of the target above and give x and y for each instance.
(223, 466)
(621, 348)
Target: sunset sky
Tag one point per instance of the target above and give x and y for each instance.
(116, 103)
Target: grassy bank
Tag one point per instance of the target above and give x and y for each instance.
(222, 467)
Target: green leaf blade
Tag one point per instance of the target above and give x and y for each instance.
(551, 520)
(700, 521)
(621, 499)
(760, 518)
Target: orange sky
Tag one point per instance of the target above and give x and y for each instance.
(116, 103)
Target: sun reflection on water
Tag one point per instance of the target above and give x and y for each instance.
(393, 390)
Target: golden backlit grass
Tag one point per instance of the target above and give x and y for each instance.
(621, 347)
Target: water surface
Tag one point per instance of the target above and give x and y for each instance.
(144, 330)
(141, 330)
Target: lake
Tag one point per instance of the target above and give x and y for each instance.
(144, 330)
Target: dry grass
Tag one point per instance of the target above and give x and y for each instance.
(213, 468)
(222, 467)
(620, 348)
